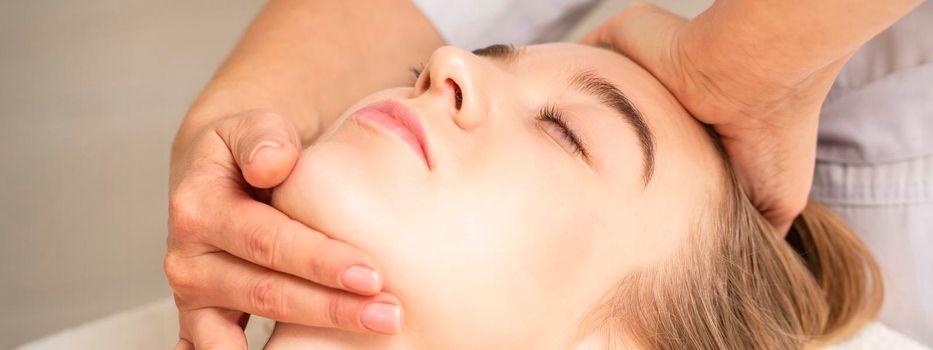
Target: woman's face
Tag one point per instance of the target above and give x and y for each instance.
(494, 225)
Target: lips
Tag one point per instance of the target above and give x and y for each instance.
(400, 121)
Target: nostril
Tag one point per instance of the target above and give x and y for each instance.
(427, 81)
(458, 94)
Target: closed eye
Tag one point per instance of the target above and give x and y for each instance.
(416, 72)
(552, 115)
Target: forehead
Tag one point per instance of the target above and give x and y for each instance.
(563, 51)
(569, 57)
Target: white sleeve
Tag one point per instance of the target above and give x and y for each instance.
(472, 24)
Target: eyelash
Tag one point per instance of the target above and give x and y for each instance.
(416, 71)
(550, 114)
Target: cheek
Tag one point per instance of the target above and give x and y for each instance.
(507, 236)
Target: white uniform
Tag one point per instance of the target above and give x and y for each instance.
(875, 163)
(875, 154)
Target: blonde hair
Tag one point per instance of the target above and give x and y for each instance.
(735, 284)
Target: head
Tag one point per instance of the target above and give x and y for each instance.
(548, 197)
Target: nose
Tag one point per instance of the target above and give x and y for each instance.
(456, 77)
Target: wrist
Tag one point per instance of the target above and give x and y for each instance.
(726, 86)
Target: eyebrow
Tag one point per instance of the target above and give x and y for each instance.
(503, 52)
(602, 90)
(609, 95)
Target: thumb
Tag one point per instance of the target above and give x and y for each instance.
(264, 145)
(643, 32)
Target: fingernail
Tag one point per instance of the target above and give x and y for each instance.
(263, 145)
(382, 318)
(361, 279)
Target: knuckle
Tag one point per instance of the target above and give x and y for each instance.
(179, 276)
(187, 309)
(335, 310)
(317, 269)
(267, 296)
(262, 242)
(183, 213)
(182, 305)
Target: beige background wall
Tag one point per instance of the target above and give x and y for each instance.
(90, 95)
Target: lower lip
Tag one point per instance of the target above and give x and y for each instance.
(376, 117)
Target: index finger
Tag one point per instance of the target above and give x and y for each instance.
(258, 233)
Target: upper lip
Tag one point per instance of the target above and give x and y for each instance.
(408, 118)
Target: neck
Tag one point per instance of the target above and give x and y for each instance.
(290, 336)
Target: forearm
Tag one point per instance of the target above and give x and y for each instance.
(790, 40)
(309, 60)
